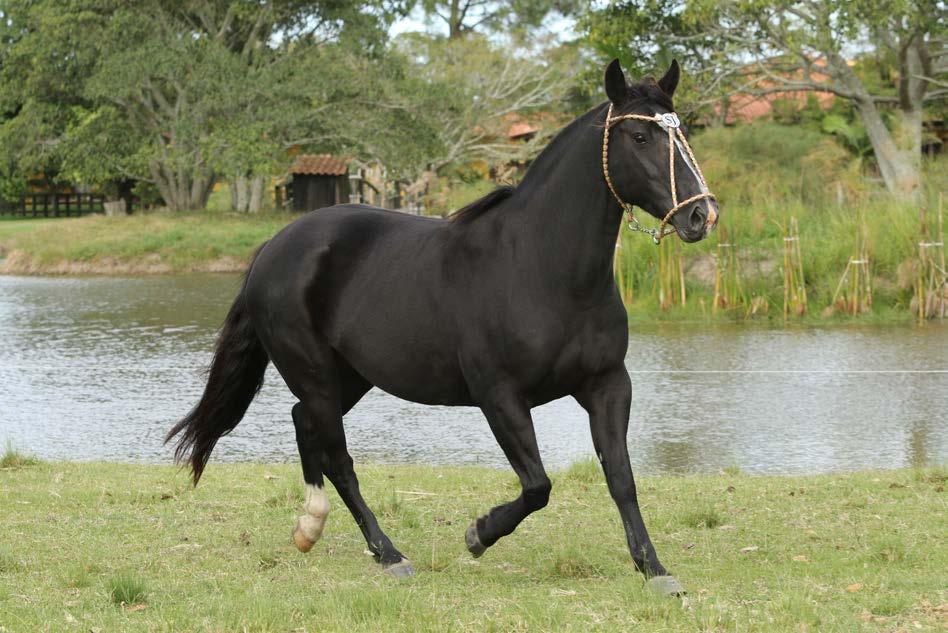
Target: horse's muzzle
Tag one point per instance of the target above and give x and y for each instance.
(698, 222)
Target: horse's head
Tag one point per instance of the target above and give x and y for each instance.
(647, 160)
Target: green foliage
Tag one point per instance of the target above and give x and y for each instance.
(178, 94)
(645, 35)
(465, 88)
(140, 243)
(587, 471)
(851, 134)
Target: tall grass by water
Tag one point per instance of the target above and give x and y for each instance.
(115, 547)
(769, 177)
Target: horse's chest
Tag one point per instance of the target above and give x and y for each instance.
(553, 360)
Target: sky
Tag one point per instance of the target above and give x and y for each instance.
(563, 27)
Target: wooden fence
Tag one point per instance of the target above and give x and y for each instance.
(53, 205)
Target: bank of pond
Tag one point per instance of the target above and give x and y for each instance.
(880, 261)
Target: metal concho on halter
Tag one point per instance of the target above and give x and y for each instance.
(667, 121)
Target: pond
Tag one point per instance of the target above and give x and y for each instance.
(100, 368)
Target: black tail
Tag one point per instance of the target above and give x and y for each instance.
(234, 378)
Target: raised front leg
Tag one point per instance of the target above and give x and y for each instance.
(509, 419)
(607, 398)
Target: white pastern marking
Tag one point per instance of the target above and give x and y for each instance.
(316, 507)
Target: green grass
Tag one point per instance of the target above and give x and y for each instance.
(126, 589)
(141, 243)
(12, 458)
(126, 548)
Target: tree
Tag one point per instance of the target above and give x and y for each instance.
(468, 89)
(808, 45)
(173, 93)
(645, 36)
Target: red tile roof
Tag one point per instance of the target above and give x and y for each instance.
(521, 129)
(746, 107)
(320, 165)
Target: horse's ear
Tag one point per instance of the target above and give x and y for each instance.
(616, 87)
(669, 82)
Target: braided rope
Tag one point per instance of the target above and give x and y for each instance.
(706, 195)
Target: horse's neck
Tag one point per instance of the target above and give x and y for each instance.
(566, 206)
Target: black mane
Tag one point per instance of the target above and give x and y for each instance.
(645, 91)
(482, 205)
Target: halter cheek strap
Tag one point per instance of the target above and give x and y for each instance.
(676, 138)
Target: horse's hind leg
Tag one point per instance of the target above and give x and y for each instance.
(321, 440)
(509, 419)
(309, 526)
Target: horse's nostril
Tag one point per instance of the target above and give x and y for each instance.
(697, 218)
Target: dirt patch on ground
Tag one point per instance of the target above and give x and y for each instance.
(702, 268)
(20, 263)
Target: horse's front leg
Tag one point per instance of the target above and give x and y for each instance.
(607, 398)
(509, 419)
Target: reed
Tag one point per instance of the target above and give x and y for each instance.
(728, 290)
(794, 283)
(853, 294)
(624, 279)
(671, 275)
(931, 285)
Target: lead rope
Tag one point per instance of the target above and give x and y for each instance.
(670, 122)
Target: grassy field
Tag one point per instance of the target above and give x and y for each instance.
(108, 547)
(144, 243)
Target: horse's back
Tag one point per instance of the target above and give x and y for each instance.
(343, 235)
(369, 282)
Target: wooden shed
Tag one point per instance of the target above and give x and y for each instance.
(315, 181)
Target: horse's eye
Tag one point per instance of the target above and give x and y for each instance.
(639, 138)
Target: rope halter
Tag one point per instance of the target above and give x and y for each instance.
(676, 138)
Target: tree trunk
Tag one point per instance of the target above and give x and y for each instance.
(255, 203)
(455, 21)
(898, 151)
(899, 162)
(181, 190)
(200, 190)
(240, 197)
(114, 207)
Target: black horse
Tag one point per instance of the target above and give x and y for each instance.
(508, 304)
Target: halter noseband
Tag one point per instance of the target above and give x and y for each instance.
(668, 121)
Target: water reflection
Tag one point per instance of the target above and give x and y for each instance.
(100, 369)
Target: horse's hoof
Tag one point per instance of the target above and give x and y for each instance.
(666, 586)
(473, 542)
(303, 542)
(401, 569)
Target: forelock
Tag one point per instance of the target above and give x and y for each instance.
(648, 91)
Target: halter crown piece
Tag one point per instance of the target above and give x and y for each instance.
(669, 122)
